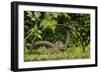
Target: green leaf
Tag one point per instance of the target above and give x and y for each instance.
(48, 24)
(37, 14)
(48, 16)
(29, 14)
(39, 31)
(26, 50)
(39, 36)
(55, 14)
(66, 15)
(33, 19)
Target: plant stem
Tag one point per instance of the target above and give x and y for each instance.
(28, 35)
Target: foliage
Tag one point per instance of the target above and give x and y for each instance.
(44, 26)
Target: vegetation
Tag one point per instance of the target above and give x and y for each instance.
(73, 33)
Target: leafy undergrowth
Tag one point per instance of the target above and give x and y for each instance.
(43, 54)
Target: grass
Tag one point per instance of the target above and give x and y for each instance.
(43, 54)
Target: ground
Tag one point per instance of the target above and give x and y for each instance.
(42, 54)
